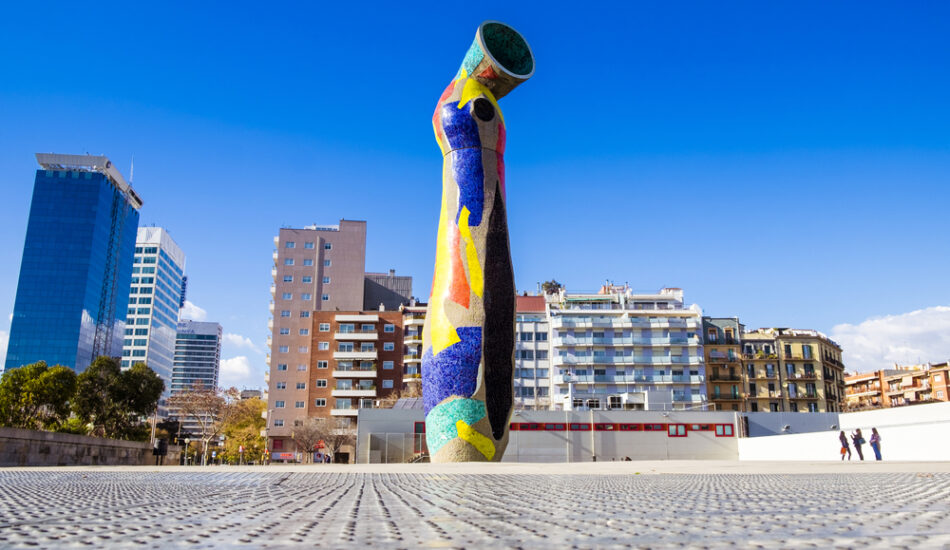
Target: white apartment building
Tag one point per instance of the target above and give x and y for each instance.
(155, 299)
(617, 349)
(532, 377)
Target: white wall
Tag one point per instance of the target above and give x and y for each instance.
(915, 433)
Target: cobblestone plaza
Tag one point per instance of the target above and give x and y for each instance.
(599, 506)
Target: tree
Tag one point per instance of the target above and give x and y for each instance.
(210, 408)
(309, 434)
(115, 402)
(337, 434)
(36, 396)
(244, 430)
(408, 391)
(551, 287)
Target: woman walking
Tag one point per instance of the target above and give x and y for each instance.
(858, 440)
(876, 443)
(845, 448)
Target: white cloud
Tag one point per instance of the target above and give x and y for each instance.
(239, 341)
(193, 312)
(237, 372)
(908, 338)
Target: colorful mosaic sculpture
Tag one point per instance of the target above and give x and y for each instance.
(469, 334)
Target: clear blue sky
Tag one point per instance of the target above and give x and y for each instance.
(784, 162)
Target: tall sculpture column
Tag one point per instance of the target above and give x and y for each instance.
(469, 333)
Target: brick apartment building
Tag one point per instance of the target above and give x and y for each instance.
(908, 385)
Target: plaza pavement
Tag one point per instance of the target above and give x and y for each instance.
(657, 504)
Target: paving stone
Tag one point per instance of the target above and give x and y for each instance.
(260, 509)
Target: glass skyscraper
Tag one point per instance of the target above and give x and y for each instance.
(77, 264)
(154, 300)
(197, 355)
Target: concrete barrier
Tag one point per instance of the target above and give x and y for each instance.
(20, 447)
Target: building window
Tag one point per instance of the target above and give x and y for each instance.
(323, 346)
(387, 384)
(389, 328)
(526, 336)
(319, 402)
(283, 349)
(525, 354)
(327, 263)
(279, 404)
(285, 313)
(301, 367)
(290, 244)
(325, 297)
(298, 404)
(324, 327)
(308, 245)
(285, 331)
(306, 297)
(327, 246)
(541, 354)
(307, 280)
(305, 314)
(301, 385)
(323, 364)
(387, 365)
(287, 296)
(288, 278)
(282, 366)
(541, 336)
(367, 346)
(278, 423)
(368, 327)
(308, 262)
(326, 280)
(321, 382)
(288, 261)
(302, 349)
(282, 385)
(389, 346)
(305, 332)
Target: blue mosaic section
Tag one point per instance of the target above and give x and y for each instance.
(440, 422)
(469, 174)
(459, 125)
(454, 371)
(473, 57)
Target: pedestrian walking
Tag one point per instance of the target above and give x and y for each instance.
(858, 440)
(845, 448)
(876, 443)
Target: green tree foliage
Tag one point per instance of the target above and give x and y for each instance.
(551, 287)
(114, 402)
(36, 396)
(244, 429)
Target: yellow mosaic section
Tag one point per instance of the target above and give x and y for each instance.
(479, 441)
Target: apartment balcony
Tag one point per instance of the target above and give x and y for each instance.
(356, 336)
(627, 379)
(407, 378)
(267, 377)
(354, 392)
(412, 339)
(415, 320)
(269, 341)
(765, 376)
(412, 358)
(575, 341)
(714, 377)
(727, 396)
(274, 255)
(357, 318)
(271, 306)
(804, 376)
(863, 393)
(270, 324)
(344, 412)
(354, 373)
(806, 395)
(273, 289)
(724, 342)
(759, 356)
(565, 321)
(797, 357)
(687, 398)
(356, 355)
(626, 360)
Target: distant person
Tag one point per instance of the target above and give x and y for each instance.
(858, 440)
(214, 456)
(326, 458)
(845, 448)
(876, 443)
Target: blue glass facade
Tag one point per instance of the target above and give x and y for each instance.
(73, 290)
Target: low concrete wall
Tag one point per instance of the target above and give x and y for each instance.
(38, 448)
(914, 433)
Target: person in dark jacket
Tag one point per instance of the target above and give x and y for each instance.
(845, 448)
(858, 440)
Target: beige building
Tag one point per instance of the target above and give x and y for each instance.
(902, 385)
(316, 268)
(413, 318)
(792, 370)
